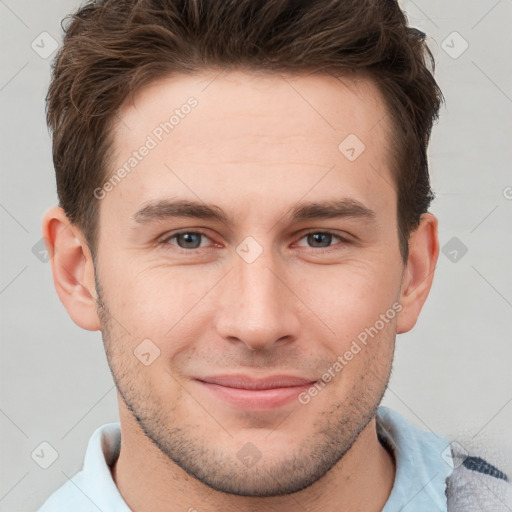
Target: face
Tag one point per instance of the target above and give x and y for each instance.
(246, 246)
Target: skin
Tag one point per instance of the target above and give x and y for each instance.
(255, 148)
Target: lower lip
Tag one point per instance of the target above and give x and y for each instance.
(256, 398)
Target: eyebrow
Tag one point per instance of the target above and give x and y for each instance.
(167, 209)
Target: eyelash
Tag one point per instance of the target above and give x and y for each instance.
(166, 241)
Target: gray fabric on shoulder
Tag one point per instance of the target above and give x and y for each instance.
(476, 486)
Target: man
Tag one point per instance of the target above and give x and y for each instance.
(244, 198)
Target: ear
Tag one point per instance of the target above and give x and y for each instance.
(418, 272)
(72, 268)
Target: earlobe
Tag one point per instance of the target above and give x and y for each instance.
(72, 268)
(419, 272)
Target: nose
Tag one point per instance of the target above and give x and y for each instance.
(259, 307)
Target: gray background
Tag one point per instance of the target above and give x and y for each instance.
(452, 372)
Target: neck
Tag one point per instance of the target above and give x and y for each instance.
(149, 481)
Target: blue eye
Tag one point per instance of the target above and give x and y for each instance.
(320, 239)
(189, 239)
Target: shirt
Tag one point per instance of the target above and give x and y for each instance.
(424, 461)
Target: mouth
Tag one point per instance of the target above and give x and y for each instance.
(247, 392)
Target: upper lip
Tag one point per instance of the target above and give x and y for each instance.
(246, 382)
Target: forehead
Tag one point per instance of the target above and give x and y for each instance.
(309, 103)
(262, 135)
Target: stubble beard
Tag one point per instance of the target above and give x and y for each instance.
(188, 446)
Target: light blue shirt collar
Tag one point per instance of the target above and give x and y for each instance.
(423, 463)
(93, 489)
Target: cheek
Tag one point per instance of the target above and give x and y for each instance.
(156, 303)
(167, 302)
(352, 296)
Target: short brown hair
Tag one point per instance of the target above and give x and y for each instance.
(114, 47)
